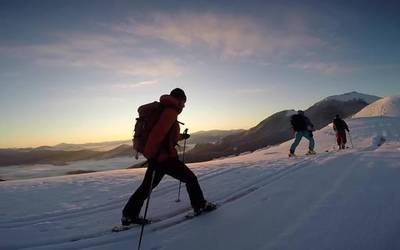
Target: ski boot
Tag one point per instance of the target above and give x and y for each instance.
(291, 154)
(208, 206)
(311, 152)
(126, 221)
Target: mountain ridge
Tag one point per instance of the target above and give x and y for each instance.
(276, 128)
(211, 144)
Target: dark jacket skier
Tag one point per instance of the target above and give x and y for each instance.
(163, 159)
(340, 127)
(303, 127)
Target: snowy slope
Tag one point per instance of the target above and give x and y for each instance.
(388, 106)
(334, 200)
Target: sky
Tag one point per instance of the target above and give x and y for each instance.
(76, 71)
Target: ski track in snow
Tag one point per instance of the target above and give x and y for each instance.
(23, 221)
(283, 203)
(18, 222)
(172, 218)
(252, 185)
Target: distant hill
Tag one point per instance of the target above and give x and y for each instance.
(211, 136)
(122, 150)
(277, 129)
(64, 153)
(94, 146)
(209, 144)
(19, 157)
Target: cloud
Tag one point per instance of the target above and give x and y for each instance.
(152, 68)
(139, 48)
(232, 35)
(106, 52)
(323, 67)
(135, 85)
(249, 91)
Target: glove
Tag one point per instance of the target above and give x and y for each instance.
(185, 136)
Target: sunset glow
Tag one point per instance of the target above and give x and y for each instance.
(77, 71)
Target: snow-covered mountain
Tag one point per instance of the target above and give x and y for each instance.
(353, 96)
(211, 136)
(388, 106)
(335, 200)
(271, 131)
(276, 128)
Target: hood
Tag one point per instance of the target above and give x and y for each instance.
(172, 102)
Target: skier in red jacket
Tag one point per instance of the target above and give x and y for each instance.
(163, 158)
(340, 127)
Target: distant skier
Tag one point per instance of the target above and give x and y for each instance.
(340, 127)
(159, 149)
(303, 127)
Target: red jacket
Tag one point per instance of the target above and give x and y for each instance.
(165, 134)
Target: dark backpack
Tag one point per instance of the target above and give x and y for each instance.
(301, 123)
(340, 124)
(298, 122)
(149, 114)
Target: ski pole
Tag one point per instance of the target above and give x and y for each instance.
(183, 160)
(147, 206)
(351, 140)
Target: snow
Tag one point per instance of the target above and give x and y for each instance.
(353, 96)
(335, 200)
(289, 113)
(388, 106)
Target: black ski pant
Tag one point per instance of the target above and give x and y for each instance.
(174, 168)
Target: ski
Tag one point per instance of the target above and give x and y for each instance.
(302, 156)
(120, 228)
